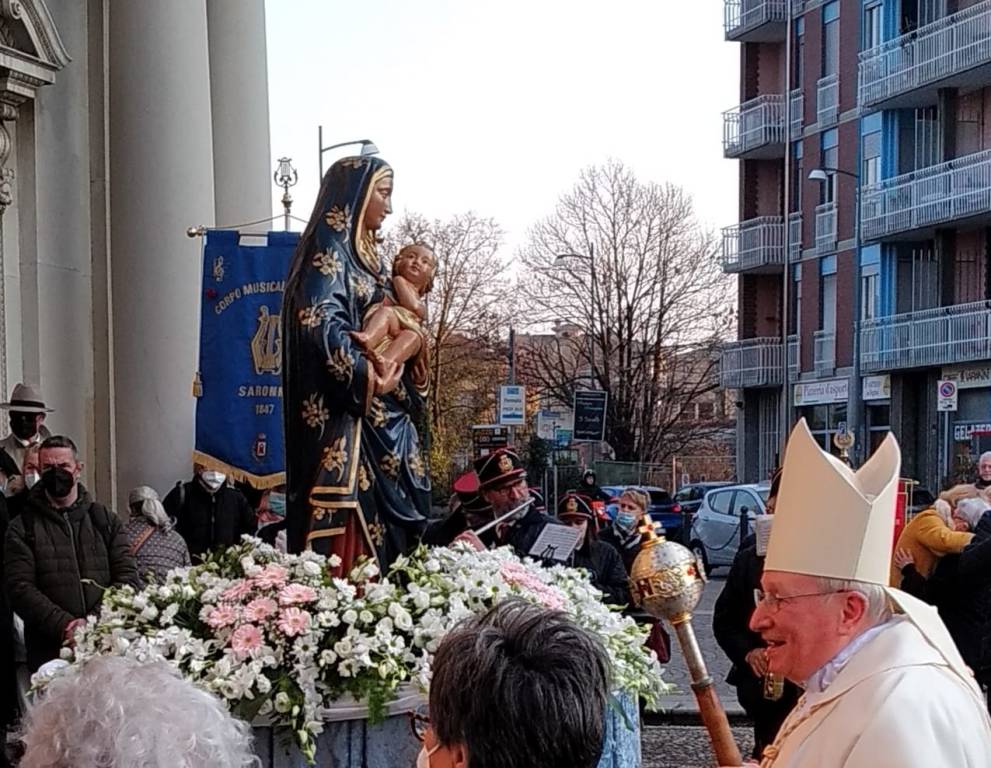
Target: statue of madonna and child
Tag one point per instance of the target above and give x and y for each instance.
(355, 363)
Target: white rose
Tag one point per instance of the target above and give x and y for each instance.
(282, 703)
(366, 616)
(350, 616)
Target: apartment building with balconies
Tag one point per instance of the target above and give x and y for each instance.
(794, 244)
(897, 113)
(925, 80)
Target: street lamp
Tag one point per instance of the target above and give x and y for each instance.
(286, 176)
(855, 422)
(590, 258)
(367, 147)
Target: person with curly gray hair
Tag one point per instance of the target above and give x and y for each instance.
(118, 713)
(518, 687)
(155, 546)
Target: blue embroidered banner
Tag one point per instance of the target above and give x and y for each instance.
(239, 385)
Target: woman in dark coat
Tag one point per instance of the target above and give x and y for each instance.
(356, 472)
(601, 560)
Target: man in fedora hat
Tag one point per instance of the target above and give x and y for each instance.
(884, 684)
(27, 412)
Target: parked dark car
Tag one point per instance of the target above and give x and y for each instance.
(663, 509)
(690, 496)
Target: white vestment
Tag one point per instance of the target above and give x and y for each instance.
(895, 704)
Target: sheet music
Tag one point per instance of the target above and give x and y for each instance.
(555, 542)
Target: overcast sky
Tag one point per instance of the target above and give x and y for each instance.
(495, 106)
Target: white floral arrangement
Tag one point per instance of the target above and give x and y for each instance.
(279, 639)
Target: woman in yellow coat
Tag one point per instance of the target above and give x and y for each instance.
(930, 535)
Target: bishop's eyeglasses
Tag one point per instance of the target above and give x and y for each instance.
(773, 602)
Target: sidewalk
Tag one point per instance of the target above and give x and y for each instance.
(681, 706)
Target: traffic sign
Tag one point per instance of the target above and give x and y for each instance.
(512, 405)
(590, 415)
(946, 396)
(488, 437)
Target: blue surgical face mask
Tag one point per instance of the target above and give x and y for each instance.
(277, 503)
(626, 520)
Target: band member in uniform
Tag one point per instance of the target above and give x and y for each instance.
(601, 560)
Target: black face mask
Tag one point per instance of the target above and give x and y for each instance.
(23, 425)
(57, 482)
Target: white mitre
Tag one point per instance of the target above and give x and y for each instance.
(831, 521)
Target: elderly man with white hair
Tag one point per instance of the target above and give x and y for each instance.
(118, 713)
(885, 687)
(984, 471)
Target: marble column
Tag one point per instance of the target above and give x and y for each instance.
(242, 158)
(55, 251)
(161, 182)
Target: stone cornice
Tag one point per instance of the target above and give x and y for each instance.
(31, 50)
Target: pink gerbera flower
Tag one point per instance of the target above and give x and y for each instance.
(246, 638)
(222, 616)
(294, 621)
(293, 594)
(260, 609)
(271, 575)
(237, 591)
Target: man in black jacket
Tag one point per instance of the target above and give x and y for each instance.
(209, 514)
(744, 647)
(502, 485)
(61, 553)
(960, 588)
(601, 560)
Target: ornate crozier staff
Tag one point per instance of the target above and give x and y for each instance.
(667, 582)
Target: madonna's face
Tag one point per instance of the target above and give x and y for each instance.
(379, 203)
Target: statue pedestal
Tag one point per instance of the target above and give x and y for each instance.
(349, 741)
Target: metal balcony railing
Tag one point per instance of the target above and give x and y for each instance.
(949, 46)
(741, 17)
(796, 113)
(828, 100)
(957, 189)
(758, 124)
(751, 363)
(826, 227)
(794, 236)
(754, 243)
(794, 357)
(824, 352)
(928, 337)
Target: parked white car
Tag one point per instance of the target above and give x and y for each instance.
(716, 527)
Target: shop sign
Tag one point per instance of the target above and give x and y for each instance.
(963, 432)
(821, 392)
(877, 387)
(969, 377)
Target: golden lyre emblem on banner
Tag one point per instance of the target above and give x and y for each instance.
(218, 269)
(266, 344)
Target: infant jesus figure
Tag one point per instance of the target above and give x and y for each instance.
(393, 330)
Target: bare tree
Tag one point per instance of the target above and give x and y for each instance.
(467, 317)
(643, 325)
